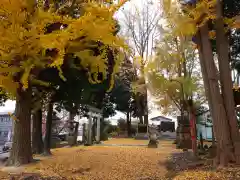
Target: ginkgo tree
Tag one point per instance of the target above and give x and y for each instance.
(198, 19)
(34, 37)
(141, 21)
(173, 75)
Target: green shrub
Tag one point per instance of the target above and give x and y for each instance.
(103, 136)
(112, 128)
(142, 128)
(104, 127)
(71, 140)
(133, 130)
(55, 141)
(113, 134)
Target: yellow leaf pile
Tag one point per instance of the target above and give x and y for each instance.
(119, 163)
(105, 162)
(224, 174)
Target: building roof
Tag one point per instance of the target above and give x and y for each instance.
(160, 118)
(5, 113)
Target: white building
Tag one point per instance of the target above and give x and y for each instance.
(158, 119)
(5, 127)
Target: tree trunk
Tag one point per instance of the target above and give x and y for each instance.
(226, 81)
(129, 125)
(145, 104)
(205, 80)
(192, 118)
(140, 119)
(238, 83)
(21, 150)
(213, 138)
(219, 113)
(76, 132)
(146, 119)
(201, 141)
(139, 108)
(73, 131)
(37, 141)
(144, 94)
(94, 125)
(71, 116)
(48, 134)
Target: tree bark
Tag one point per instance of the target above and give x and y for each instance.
(140, 119)
(144, 95)
(192, 118)
(37, 141)
(139, 108)
(94, 125)
(145, 103)
(73, 131)
(76, 132)
(145, 108)
(226, 80)
(129, 125)
(48, 134)
(21, 150)
(219, 113)
(205, 79)
(201, 141)
(71, 116)
(213, 138)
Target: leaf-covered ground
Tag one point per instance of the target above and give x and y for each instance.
(183, 166)
(113, 163)
(105, 162)
(207, 173)
(129, 141)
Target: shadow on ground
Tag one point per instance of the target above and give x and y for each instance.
(179, 162)
(182, 166)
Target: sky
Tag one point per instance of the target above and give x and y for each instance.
(130, 6)
(10, 105)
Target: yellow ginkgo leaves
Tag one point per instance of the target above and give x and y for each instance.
(212, 34)
(12, 116)
(28, 33)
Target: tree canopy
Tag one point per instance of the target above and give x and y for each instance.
(36, 43)
(174, 74)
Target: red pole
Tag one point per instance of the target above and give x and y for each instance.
(193, 132)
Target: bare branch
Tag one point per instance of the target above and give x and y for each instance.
(142, 25)
(177, 104)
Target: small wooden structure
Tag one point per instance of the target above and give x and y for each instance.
(166, 126)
